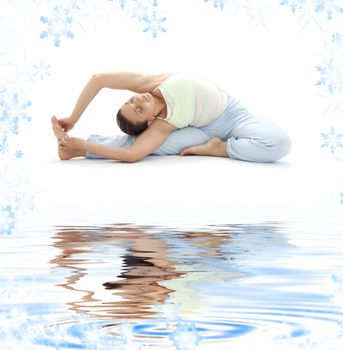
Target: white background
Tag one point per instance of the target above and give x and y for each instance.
(261, 52)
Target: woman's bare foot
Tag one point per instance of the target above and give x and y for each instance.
(57, 129)
(66, 154)
(214, 147)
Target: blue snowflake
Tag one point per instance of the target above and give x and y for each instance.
(9, 289)
(143, 11)
(7, 219)
(56, 336)
(19, 154)
(168, 311)
(337, 38)
(308, 10)
(331, 75)
(294, 5)
(185, 337)
(332, 140)
(28, 329)
(122, 3)
(218, 3)
(329, 7)
(154, 24)
(138, 3)
(139, 10)
(59, 25)
(308, 7)
(324, 79)
(98, 338)
(337, 287)
(12, 111)
(3, 143)
(20, 328)
(337, 280)
(341, 195)
(15, 109)
(91, 334)
(41, 70)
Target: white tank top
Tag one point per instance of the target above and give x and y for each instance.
(192, 100)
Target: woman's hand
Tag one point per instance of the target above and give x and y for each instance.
(73, 143)
(66, 123)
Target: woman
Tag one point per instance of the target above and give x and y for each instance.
(173, 114)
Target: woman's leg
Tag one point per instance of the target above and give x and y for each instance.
(181, 139)
(259, 140)
(175, 143)
(240, 135)
(123, 141)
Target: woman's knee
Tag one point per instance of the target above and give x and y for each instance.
(259, 150)
(272, 149)
(281, 146)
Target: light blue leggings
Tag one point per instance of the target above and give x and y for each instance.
(248, 137)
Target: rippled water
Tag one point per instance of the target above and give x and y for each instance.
(130, 286)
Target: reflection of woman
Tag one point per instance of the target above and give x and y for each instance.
(140, 280)
(173, 114)
(138, 286)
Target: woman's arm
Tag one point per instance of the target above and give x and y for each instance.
(135, 82)
(146, 143)
(122, 80)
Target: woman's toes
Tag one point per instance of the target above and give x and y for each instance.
(57, 129)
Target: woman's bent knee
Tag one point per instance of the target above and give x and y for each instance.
(259, 150)
(281, 147)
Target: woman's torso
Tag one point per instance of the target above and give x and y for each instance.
(191, 100)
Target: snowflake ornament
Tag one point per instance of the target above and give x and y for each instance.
(7, 219)
(332, 140)
(145, 11)
(41, 70)
(12, 111)
(331, 75)
(329, 7)
(218, 3)
(185, 337)
(58, 25)
(154, 24)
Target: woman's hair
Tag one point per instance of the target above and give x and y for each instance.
(129, 127)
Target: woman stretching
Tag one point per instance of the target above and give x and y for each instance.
(172, 114)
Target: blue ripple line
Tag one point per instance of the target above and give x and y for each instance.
(234, 330)
(51, 343)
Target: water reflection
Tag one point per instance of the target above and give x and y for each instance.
(160, 287)
(144, 263)
(146, 259)
(129, 271)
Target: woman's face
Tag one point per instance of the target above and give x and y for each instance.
(139, 108)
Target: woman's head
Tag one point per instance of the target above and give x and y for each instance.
(136, 114)
(128, 126)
